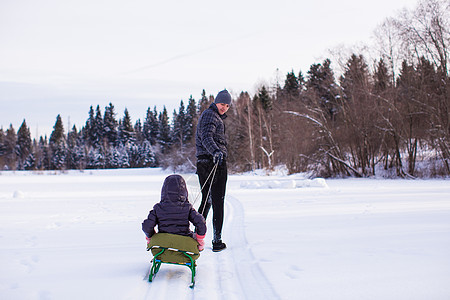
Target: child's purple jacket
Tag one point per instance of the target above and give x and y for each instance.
(174, 212)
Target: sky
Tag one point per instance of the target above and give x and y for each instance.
(61, 57)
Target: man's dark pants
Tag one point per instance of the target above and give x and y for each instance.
(216, 195)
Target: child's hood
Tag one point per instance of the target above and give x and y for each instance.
(174, 189)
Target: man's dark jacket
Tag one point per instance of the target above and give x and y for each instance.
(210, 134)
(174, 212)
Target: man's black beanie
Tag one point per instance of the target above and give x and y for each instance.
(223, 97)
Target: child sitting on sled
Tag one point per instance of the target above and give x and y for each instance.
(174, 212)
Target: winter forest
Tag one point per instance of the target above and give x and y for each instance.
(359, 115)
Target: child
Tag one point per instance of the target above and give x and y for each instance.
(174, 212)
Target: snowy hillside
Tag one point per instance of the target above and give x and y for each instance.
(78, 236)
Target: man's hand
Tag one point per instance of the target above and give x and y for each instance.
(218, 157)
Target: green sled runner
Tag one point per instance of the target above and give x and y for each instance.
(173, 249)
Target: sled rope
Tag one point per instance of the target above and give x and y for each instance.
(213, 173)
(212, 179)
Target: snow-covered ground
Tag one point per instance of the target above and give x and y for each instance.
(78, 236)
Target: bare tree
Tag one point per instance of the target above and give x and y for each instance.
(250, 132)
(240, 132)
(389, 45)
(425, 31)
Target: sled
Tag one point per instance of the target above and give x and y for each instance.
(173, 249)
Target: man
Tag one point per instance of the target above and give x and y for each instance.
(212, 154)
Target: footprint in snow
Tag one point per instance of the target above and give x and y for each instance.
(293, 271)
(30, 262)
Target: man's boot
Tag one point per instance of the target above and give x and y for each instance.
(218, 245)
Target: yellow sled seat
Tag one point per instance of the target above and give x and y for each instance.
(173, 249)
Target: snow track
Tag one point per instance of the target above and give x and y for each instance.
(232, 274)
(248, 277)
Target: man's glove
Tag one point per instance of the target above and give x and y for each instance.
(218, 157)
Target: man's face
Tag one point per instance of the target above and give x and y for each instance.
(222, 107)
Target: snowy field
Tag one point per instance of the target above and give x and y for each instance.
(78, 236)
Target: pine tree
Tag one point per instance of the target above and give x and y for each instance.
(57, 144)
(151, 126)
(24, 147)
(126, 131)
(79, 156)
(57, 136)
(10, 148)
(203, 103)
(301, 81)
(191, 120)
(112, 158)
(264, 99)
(178, 132)
(110, 125)
(355, 80)
(96, 158)
(360, 115)
(89, 127)
(30, 162)
(147, 155)
(38, 154)
(97, 129)
(72, 138)
(43, 161)
(381, 78)
(164, 132)
(133, 151)
(322, 86)
(138, 131)
(291, 86)
(428, 79)
(124, 159)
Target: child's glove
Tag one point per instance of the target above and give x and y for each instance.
(148, 243)
(200, 240)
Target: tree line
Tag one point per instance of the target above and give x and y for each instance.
(103, 142)
(389, 115)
